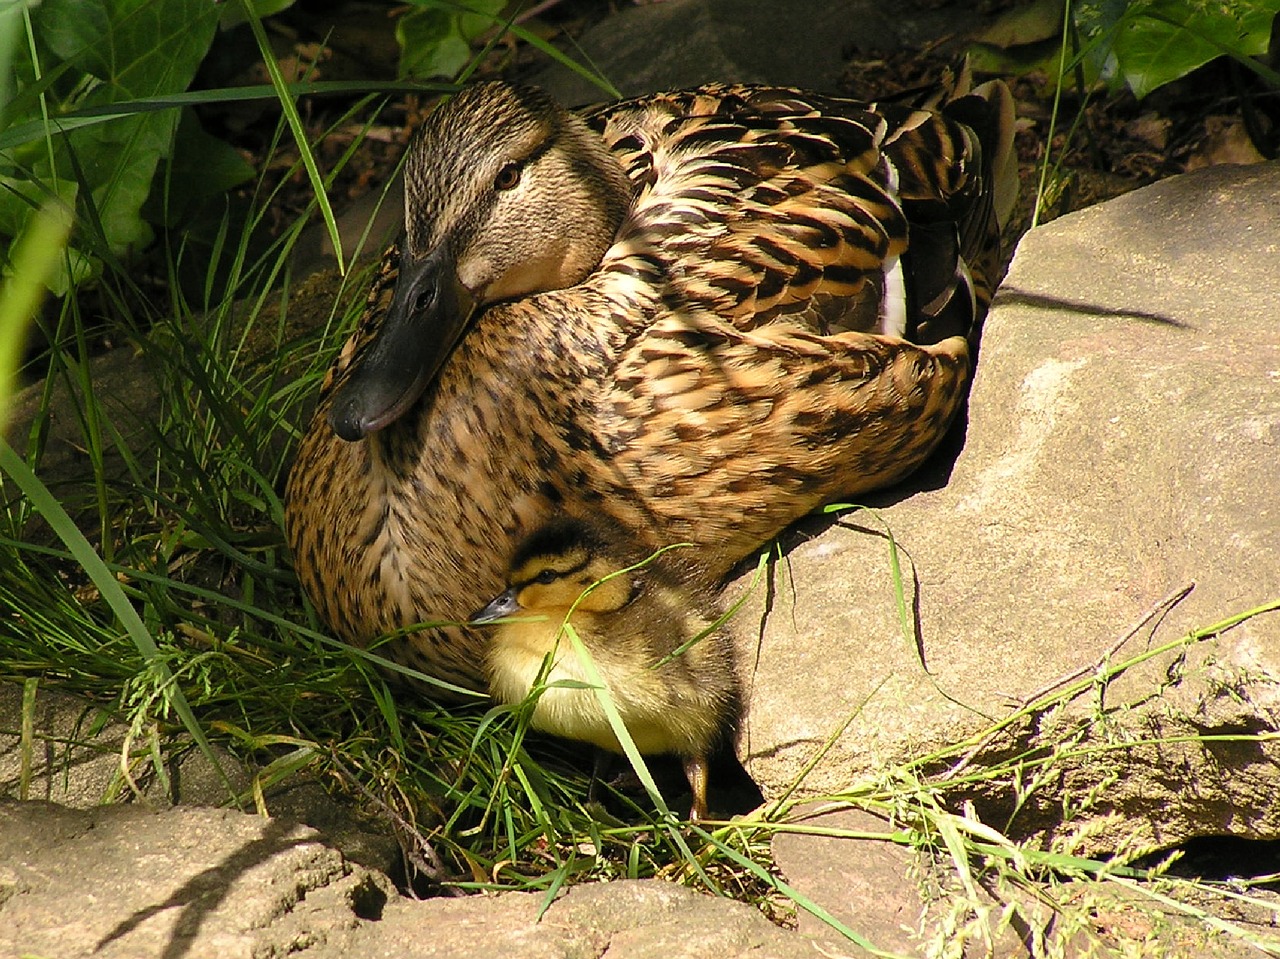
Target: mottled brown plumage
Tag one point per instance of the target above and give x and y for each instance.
(690, 312)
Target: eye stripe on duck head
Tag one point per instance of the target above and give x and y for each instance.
(553, 567)
(508, 235)
(465, 143)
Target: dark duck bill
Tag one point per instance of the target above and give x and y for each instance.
(429, 313)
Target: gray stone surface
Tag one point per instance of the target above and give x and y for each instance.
(75, 760)
(802, 43)
(178, 883)
(75, 757)
(873, 886)
(127, 881)
(646, 919)
(908, 903)
(1123, 442)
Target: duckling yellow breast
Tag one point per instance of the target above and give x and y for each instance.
(663, 709)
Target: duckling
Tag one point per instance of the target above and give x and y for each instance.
(633, 617)
(701, 314)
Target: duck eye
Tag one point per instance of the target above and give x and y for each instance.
(424, 298)
(507, 177)
(546, 577)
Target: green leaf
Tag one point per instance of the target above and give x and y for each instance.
(483, 15)
(34, 257)
(118, 50)
(118, 160)
(19, 202)
(429, 44)
(1023, 24)
(1148, 43)
(76, 32)
(1163, 41)
(10, 42)
(435, 40)
(202, 166)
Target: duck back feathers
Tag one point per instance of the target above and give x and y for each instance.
(768, 203)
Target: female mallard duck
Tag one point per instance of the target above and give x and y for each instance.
(693, 312)
(634, 616)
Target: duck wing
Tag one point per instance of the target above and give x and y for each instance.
(761, 204)
(723, 437)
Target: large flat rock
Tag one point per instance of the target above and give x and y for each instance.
(128, 881)
(1123, 443)
(181, 883)
(806, 43)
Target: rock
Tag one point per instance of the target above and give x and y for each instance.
(631, 919)
(209, 884)
(218, 884)
(184, 882)
(1123, 442)
(75, 762)
(125, 389)
(906, 902)
(682, 43)
(75, 757)
(872, 886)
(656, 920)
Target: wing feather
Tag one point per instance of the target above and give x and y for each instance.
(767, 204)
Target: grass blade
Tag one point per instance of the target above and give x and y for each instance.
(34, 258)
(111, 591)
(290, 108)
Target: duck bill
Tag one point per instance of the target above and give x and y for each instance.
(429, 312)
(502, 607)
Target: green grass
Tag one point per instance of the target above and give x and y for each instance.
(155, 583)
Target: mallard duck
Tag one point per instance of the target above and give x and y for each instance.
(702, 313)
(634, 614)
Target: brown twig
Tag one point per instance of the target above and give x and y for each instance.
(422, 856)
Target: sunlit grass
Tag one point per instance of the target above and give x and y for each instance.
(34, 259)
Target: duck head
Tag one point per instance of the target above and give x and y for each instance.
(566, 565)
(506, 194)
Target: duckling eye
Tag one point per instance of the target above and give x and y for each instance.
(507, 177)
(546, 577)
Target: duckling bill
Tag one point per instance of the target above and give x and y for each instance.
(632, 617)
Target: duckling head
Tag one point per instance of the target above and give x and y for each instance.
(553, 570)
(506, 194)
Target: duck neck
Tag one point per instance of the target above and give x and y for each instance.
(605, 182)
